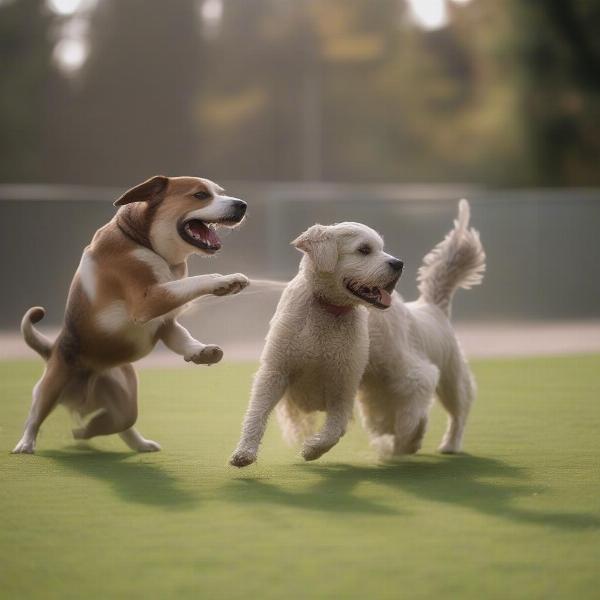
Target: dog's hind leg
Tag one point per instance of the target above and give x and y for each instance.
(411, 424)
(45, 396)
(113, 396)
(413, 404)
(377, 407)
(456, 392)
(137, 442)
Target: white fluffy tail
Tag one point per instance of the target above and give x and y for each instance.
(295, 424)
(456, 262)
(33, 338)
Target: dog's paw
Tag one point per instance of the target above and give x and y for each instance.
(314, 448)
(242, 458)
(148, 446)
(230, 284)
(449, 448)
(25, 446)
(208, 355)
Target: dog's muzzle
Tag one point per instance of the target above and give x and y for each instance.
(397, 265)
(238, 211)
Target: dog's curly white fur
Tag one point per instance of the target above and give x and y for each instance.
(324, 345)
(316, 349)
(414, 353)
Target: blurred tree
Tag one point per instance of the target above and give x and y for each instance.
(356, 87)
(127, 116)
(506, 94)
(25, 49)
(558, 50)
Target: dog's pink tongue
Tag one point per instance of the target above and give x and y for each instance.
(385, 298)
(213, 238)
(207, 234)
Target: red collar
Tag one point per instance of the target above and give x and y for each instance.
(333, 309)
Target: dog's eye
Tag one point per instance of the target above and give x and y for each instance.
(202, 195)
(364, 249)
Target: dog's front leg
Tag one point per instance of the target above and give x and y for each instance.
(163, 298)
(339, 412)
(269, 386)
(178, 339)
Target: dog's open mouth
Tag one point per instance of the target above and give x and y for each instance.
(203, 234)
(380, 297)
(200, 234)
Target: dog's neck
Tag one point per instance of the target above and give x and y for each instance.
(134, 224)
(325, 290)
(333, 309)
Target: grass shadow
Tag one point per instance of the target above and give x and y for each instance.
(135, 482)
(335, 496)
(478, 483)
(484, 485)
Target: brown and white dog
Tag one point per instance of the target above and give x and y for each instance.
(126, 294)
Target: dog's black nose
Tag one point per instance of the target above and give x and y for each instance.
(396, 264)
(239, 209)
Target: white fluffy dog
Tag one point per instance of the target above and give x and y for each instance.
(324, 345)
(414, 353)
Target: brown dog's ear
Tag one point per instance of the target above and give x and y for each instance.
(149, 191)
(318, 242)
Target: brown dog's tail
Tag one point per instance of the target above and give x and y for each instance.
(33, 338)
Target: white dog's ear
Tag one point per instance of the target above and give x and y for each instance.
(319, 243)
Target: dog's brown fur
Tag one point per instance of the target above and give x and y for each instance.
(130, 286)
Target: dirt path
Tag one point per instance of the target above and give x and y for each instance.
(480, 340)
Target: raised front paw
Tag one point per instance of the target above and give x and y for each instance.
(230, 284)
(242, 458)
(208, 355)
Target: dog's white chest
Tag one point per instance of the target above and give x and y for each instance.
(88, 275)
(115, 319)
(160, 269)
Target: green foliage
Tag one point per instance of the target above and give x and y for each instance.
(560, 89)
(24, 79)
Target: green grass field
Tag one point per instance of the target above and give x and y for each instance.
(517, 517)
